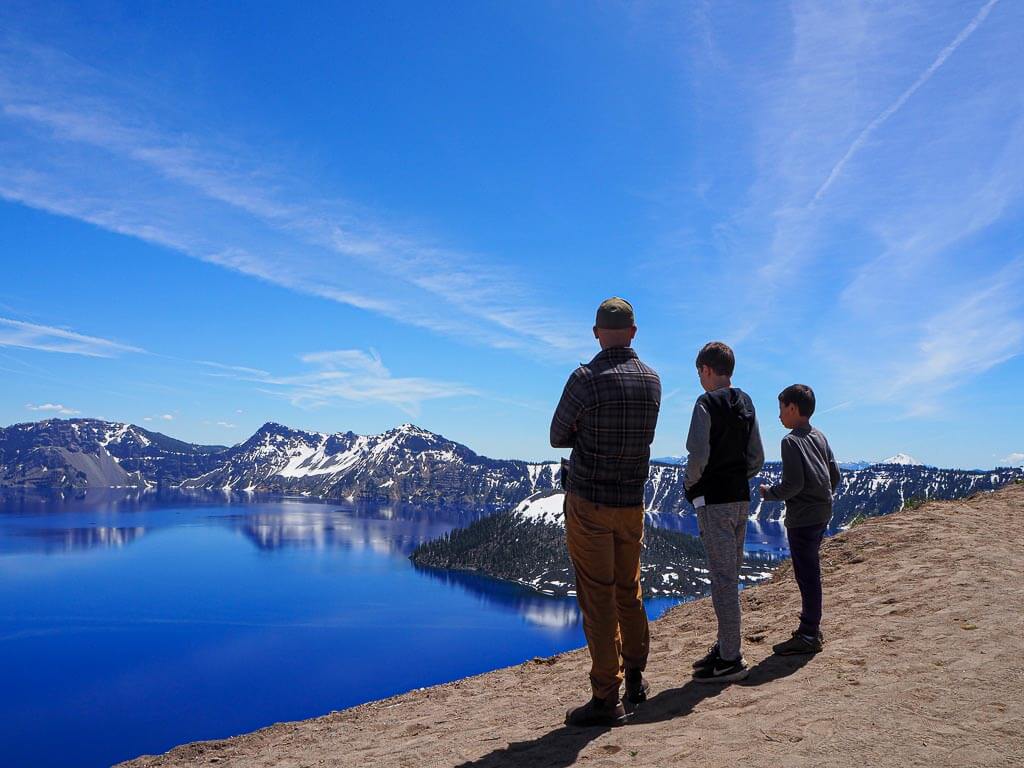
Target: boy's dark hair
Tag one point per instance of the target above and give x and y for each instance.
(717, 356)
(799, 395)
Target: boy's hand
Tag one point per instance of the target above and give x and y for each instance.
(763, 489)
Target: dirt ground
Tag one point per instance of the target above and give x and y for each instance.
(924, 665)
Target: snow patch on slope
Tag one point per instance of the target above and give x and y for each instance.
(542, 507)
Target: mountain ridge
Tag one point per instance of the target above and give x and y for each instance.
(406, 464)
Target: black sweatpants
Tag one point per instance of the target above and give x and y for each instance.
(804, 545)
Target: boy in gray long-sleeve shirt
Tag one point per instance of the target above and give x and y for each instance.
(724, 452)
(810, 475)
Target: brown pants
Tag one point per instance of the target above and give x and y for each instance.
(604, 545)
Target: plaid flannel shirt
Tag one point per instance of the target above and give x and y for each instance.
(607, 415)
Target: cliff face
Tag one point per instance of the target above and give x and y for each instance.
(91, 453)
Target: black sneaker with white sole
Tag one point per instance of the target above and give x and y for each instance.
(800, 643)
(722, 671)
(711, 657)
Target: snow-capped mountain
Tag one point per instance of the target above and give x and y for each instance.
(875, 490)
(527, 546)
(81, 453)
(854, 465)
(902, 458)
(406, 464)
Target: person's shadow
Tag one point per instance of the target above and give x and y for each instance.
(561, 747)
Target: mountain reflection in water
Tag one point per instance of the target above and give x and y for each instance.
(539, 610)
(270, 523)
(72, 539)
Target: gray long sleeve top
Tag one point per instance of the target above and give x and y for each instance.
(810, 475)
(698, 446)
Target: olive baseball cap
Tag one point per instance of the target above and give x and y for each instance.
(615, 314)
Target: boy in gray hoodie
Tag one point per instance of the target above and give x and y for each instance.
(810, 475)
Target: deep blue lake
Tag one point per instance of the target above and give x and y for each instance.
(130, 624)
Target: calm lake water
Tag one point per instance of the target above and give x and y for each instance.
(130, 624)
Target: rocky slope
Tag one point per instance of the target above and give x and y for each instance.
(90, 453)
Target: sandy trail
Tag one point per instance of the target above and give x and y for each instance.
(924, 666)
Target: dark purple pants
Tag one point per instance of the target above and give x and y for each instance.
(804, 544)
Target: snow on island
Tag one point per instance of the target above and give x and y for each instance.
(526, 545)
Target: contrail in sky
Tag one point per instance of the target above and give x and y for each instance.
(894, 107)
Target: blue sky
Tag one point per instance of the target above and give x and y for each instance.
(348, 216)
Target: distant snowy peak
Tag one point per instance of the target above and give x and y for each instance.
(855, 465)
(904, 459)
(678, 461)
(542, 507)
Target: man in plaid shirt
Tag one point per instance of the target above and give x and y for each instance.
(607, 415)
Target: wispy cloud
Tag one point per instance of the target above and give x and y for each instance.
(924, 77)
(900, 278)
(839, 407)
(350, 375)
(234, 369)
(15, 333)
(57, 408)
(960, 342)
(78, 135)
(1013, 459)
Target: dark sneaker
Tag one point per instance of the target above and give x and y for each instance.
(597, 712)
(799, 644)
(636, 686)
(722, 671)
(711, 657)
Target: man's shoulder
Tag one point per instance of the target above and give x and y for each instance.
(647, 369)
(582, 371)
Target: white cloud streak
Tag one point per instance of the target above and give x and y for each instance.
(350, 375)
(1013, 459)
(901, 273)
(963, 341)
(73, 122)
(893, 108)
(45, 338)
(57, 408)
